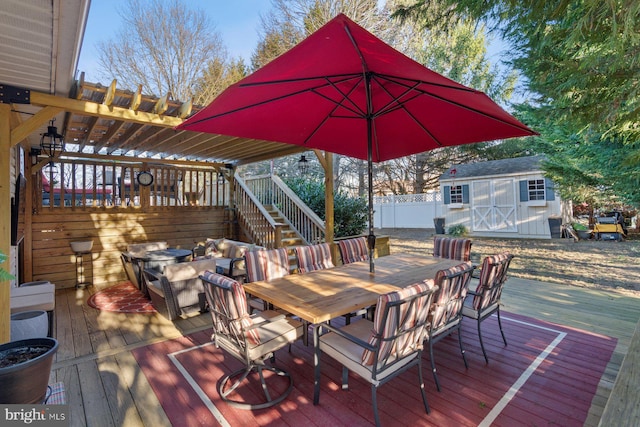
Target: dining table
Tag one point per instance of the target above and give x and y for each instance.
(322, 295)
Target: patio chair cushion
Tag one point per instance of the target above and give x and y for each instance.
(353, 250)
(266, 264)
(235, 304)
(188, 270)
(141, 248)
(447, 247)
(227, 248)
(349, 354)
(493, 273)
(382, 331)
(313, 257)
(449, 298)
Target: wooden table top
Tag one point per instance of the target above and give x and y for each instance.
(322, 295)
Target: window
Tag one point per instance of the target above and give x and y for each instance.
(536, 189)
(456, 194)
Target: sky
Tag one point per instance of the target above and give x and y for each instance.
(236, 20)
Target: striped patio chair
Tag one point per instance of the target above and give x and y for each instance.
(485, 300)
(318, 257)
(250, 339)
(265, 264)
(445, 316)
(313, 257)
(353, 250)
(381, 349)
(452, 248)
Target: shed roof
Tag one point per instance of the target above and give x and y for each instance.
(494, 168)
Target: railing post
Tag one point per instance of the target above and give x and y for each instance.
(278, 236)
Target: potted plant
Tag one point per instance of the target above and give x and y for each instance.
(4, 274)
(25, 365)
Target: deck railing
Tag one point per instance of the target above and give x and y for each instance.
(271, 190)
(87, 184)
(254, 219)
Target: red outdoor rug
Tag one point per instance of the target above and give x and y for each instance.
(547, 375)
(121, 298)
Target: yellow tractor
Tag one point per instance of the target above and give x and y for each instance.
(610, 227)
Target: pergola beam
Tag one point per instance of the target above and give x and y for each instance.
(100, 110)
(26, 128)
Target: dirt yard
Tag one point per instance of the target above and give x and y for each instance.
(586, 263)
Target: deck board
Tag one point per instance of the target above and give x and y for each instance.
(95, 346)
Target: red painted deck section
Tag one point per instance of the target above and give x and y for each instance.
(559, 392)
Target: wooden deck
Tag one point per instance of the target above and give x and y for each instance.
(105, 385)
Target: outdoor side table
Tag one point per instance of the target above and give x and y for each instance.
(82, 280)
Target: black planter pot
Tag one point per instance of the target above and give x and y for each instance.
(26, 382)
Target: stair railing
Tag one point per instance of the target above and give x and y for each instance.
(254, 219)
(271, 190)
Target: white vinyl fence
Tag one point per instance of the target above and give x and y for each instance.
(407, 210)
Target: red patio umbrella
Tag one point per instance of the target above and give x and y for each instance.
(345, 91)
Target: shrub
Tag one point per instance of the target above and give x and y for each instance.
(457, 230)
(350, 213)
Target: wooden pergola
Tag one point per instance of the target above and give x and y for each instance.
(99, 122)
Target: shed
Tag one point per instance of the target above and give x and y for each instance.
(507, 198)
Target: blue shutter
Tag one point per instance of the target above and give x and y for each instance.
(447, 194)
(524, 191)
(549, 193)
(465, 193)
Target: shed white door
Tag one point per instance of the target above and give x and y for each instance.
(494, 205)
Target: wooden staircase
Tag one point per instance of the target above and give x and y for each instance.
(290, 237)
(273, 216)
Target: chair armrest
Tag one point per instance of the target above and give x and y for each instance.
(233, 262)
(352, 338)
(470, 292)
(156, 275)
(232, 265)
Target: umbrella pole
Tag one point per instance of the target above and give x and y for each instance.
(371, 239)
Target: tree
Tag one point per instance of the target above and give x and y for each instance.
(216, 77)
(162, 45)
(579, 62)
(290, 21)
(456, 48)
